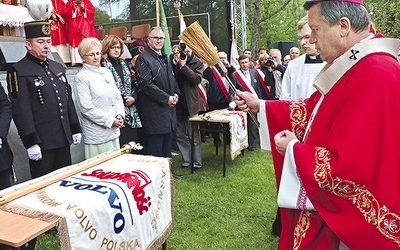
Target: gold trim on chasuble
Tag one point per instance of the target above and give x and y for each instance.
(300, 231)
(374, 213)
(298, 114)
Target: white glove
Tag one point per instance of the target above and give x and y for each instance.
(232, 105)
(1, 143)
(34, 153)
(76, 138)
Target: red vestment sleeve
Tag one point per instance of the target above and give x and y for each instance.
(349, 162)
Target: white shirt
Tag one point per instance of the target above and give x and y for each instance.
(299, 77)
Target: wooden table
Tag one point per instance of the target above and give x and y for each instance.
(16, 230)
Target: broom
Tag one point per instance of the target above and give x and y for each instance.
(195, 37)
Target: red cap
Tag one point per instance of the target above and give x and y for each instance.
(308, 2)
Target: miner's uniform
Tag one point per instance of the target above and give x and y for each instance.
(43, 111)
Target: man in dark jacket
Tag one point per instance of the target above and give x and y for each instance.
(188, 70)
(42, 105)
(157, 97)
(247, 79)
(6, 157)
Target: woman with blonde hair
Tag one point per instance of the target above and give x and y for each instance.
(100, 105)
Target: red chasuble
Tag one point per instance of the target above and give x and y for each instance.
(57, 29)
(79, 21)
(349, 162)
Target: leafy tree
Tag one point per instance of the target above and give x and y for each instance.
(101, 17)
(268, 21)
(386, 16)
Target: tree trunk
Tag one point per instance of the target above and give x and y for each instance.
(134, 15)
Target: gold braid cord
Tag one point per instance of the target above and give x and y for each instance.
(374, 213)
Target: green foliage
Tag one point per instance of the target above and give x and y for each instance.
(268, 21)
(214, 212)
(101, 17)
(386, 16)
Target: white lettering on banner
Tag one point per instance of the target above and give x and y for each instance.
(45, 199)
(80, 215)
(115, 245)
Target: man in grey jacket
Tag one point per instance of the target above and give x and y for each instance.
(188, 71)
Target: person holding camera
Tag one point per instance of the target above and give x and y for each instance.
(273, 74)
(188, 71)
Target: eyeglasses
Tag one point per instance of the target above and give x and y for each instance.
(93, 54)
(158, 38)
(306, 38)
(115, 47)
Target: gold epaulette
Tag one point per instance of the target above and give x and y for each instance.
(12, 80)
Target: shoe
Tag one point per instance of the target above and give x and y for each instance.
(174, 154)
(177, 176)
(252, 149)
(184, 166)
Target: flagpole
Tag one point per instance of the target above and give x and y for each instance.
(158, 12)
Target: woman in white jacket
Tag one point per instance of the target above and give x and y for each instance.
(100, 105)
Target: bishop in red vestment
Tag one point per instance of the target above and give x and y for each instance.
(336, 154)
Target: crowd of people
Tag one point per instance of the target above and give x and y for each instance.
(315, 105)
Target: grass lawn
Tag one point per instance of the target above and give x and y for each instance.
(215, 212)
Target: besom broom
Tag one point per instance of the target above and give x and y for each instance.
(195, 37)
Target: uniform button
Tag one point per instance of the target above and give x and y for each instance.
(51, 78)
(58, 98)
(48, 73)
(62, 117)
(57, 91)
(61, 110)
(60, 104)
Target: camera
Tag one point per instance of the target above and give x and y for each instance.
(270, 62)
(183, 53)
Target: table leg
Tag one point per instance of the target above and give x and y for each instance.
(224, 137)
(192, 148)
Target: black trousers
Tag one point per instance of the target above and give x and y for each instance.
(52, 159)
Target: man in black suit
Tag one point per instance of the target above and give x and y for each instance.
(246, 79)
(6, 156)
(42, 106)
(158, 95)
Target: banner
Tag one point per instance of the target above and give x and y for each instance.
(234, 56)
(167, 49)
(123, 203)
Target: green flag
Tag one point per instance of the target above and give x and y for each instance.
(167, 49)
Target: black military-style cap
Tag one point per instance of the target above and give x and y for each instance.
(138, 47)
(37, 29)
